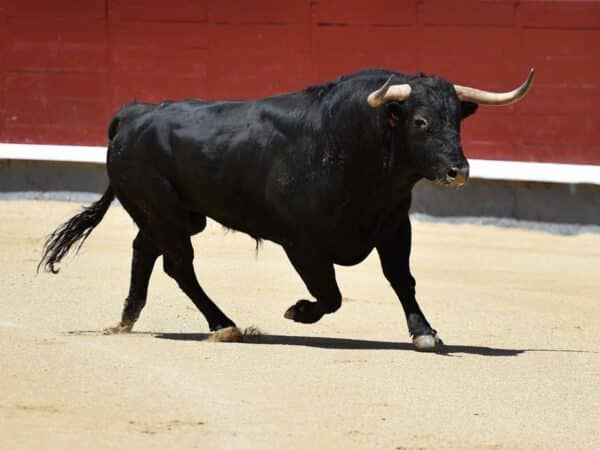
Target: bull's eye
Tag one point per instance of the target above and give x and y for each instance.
(421, 122)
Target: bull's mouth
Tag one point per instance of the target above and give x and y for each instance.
(449, 183)
(454, 177)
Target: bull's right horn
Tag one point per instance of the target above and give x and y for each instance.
(388, 93)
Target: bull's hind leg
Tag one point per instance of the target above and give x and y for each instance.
(319, 276)
(178, 264)
(165, 229)
(145, 254)
(169, 226)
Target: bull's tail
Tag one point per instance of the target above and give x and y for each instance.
(75, 230)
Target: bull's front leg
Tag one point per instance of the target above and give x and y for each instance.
(394, 253)
(319, 276)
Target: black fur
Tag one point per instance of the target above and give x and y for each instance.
(126, 114)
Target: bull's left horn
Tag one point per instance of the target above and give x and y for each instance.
(388, 93)
(469, 94)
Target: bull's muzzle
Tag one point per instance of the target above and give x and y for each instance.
(457, 176)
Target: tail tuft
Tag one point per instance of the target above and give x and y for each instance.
(75, 230)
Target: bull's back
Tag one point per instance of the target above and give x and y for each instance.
(126, 115)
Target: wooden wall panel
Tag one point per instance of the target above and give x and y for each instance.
(2, 70)
(247, 74)
(90, 9)
(66, 66)
(171, 10)
(468, 12)
(290, 37)
(62, 44)
(261, 11)
(360, 12)
(560, 14)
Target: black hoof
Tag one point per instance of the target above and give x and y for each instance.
(304, 312)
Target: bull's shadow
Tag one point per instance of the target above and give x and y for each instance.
(354, 344)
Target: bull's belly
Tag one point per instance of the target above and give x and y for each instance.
(339, 240)
(352, 253)
(345, 251)
(343, 248)
(256, 224)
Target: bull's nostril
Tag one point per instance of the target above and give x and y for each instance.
(452, 173)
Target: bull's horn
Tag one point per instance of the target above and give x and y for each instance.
(469, 94)
(388, 93)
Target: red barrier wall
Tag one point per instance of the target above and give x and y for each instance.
(66, 65)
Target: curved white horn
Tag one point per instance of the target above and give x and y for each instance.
(388, 93)
(481, 97)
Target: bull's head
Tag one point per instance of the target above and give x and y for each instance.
(426, 115)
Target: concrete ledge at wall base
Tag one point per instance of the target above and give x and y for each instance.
(559, 193)
(522, 200)
(44, 176)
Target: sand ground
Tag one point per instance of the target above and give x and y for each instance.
(519, 311)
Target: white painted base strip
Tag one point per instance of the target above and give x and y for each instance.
(533, 171)
(63, 153)
(480, 168)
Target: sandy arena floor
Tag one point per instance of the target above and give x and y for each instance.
(519, 311)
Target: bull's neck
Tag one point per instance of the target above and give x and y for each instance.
(362, 136)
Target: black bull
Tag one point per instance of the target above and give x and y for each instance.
(325, 172)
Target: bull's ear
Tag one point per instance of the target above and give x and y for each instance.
(468, 108)
(393, 108)
(394, 113)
